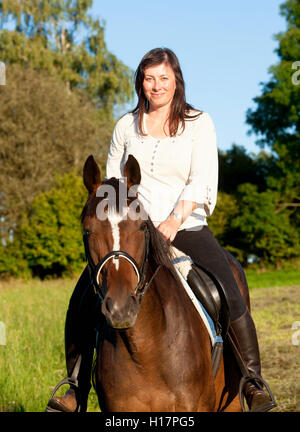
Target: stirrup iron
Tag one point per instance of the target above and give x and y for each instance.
(244, 380)
(72, 381)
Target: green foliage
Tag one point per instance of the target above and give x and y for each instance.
(51, 234)
(44, 129)
(49, 240)
(267, 224)
(221, 219)
(249, 220)
(12, 262)
(61, 38)
(262, 230)
(236, 167)
(276, 117)
(63, 111)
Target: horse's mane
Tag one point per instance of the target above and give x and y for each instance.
(160, 250)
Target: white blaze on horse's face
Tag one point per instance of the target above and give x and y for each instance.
(114, 222)
(115, 219)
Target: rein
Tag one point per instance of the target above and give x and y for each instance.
(95, 270)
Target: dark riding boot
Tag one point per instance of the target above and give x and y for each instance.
(76, 397)
(243, 334)
(79, 348)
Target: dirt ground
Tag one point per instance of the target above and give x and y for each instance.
(276, 312)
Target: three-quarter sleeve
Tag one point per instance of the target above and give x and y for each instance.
(202, 184)
(116, 151)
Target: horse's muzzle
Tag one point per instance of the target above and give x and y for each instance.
(121, 316)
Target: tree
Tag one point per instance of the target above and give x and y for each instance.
(259, 230)
(60, 37)
(49, 239)
(44, 130)
(276, 119)
(221, 222)
(47, 126)
(236, 167)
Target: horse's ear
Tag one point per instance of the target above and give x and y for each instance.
(91, 175)
(132, 171)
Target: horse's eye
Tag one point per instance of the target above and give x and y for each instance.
(87, 232)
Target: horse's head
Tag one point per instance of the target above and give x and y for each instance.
(116, 241)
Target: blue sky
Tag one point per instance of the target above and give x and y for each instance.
(225, 49)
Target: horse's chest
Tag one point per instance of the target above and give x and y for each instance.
(141, 399)
(129, 387)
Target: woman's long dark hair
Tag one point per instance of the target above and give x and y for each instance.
(179, 106)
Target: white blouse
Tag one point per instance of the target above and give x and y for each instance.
(184, 167)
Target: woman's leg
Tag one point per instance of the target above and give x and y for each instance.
(79, 340)
(205, 251)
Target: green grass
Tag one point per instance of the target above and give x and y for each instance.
(277, 278)
(32, 361)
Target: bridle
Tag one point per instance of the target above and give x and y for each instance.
(95, 270)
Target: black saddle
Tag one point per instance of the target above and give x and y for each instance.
(211, 294)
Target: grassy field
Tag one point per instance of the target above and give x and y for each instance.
(277, 278)
(32, 361)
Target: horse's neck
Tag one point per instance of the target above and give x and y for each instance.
(162, 308)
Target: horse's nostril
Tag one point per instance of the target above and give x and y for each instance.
(135, 299)
(122, 315)
(133, 303)
(108, 304)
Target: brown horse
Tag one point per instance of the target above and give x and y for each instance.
(154, 352)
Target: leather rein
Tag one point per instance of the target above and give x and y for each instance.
(95, 270)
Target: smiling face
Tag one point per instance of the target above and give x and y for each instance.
(159, 85)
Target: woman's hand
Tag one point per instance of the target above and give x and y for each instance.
(169, 228)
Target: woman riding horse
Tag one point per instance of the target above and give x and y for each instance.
(176, 148)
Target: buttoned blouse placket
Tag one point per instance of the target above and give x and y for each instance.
(157, 142)
(154, 142)
(154, 154)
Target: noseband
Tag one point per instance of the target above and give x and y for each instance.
(95, 270)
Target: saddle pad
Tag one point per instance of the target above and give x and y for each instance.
(183, 264)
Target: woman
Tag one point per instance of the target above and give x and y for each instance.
(175, 146)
